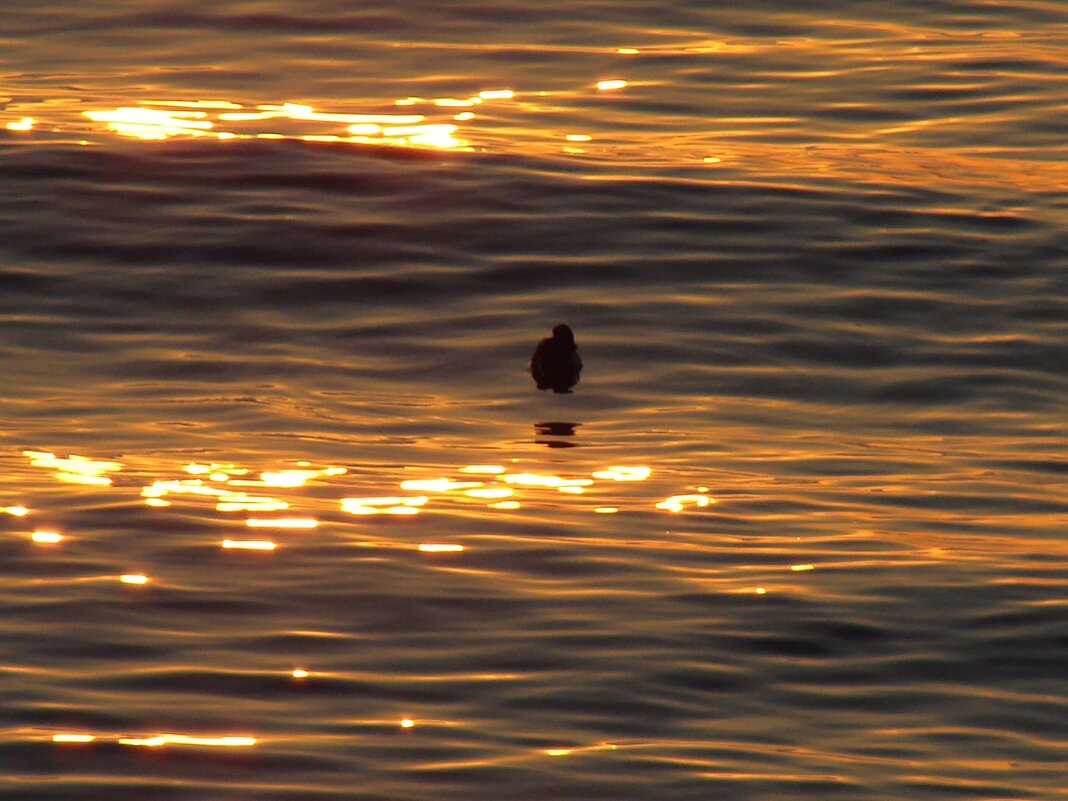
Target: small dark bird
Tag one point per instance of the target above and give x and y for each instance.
(555, 363)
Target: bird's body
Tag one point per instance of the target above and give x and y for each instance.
(555, 363)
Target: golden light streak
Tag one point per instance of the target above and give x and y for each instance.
(801, 568)
(81, 478)
(25, 124)
(282, 522)
(214, 104)
(288, 478)
(440, 547)
(438, 485)
(17, 511)
(182, 739)
(46, 537)
(157, 502)
(610, 85)
(578, 137)
(572, 490)
(488, 469)
(185, 486)
(226, 470)
(296, 111)
(407, 723)
(147, 123)
(558, 752)
(545, 480)
(497, 94)
(676, 503)
(464, 116)
(490, 492)
(300, 673)
(143, 742)
(452, 102)
(230, 503)
(74, 469)
(623, 473)
(505, 505)
(249, 545)
(384, 505)
(133, 578)
(628, 51)
(73, 738)
(606, 510)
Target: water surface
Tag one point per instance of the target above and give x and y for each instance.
(799, 532)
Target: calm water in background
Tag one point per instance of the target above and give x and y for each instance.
(816, 263)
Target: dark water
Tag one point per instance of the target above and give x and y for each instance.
(815, 259)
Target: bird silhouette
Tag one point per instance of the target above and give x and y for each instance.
(555, 363)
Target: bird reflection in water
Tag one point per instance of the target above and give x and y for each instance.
(556, 429)
(555, 363)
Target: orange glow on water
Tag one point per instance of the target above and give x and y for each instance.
(251, 504)
(249, 545)
(490, 492)
(25, 124)
(300, 673)
(440, 547)
(73, 738)
(133, 578)
(545, 480)
(611, 85)
(46, 537)
(390, 505)
(622, 473)
(147, 123)
(282, 522)
(677, 503)
(161, 740)
(497, 94)
(486, 469)
(407, 723)
(438, 485)
(16, 511)
(74, 469)
(202, 119)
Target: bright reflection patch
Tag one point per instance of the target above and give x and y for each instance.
(622, 473)
(133, 578)
(282, 522)
(16, 511)
(440, 547)
(543, 480)
(676, 503)
(73, 738)
(181, 739)
(438, 485)
(47, 537)
(74, 469)
(249, 545)
(387, 505)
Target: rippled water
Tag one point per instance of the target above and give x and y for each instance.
(283, 517)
